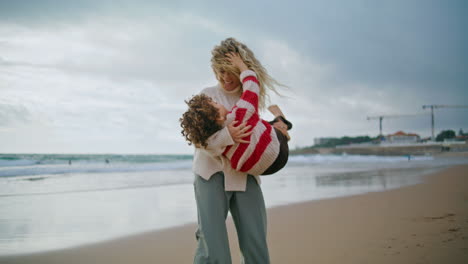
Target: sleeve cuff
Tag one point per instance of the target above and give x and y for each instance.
(219, 140)
(247, 73)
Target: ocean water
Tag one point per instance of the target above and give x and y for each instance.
(49, 202)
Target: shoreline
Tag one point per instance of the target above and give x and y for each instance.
(417, 223)
(414, 150)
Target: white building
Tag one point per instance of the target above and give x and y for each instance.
(321, 141)
(402, 137)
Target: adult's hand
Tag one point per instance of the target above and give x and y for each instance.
(237, 61)
(239, 132)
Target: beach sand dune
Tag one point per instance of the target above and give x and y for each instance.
(424, 223)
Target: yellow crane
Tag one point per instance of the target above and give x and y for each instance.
(432, 107)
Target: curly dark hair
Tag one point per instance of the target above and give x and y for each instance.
(199, 121)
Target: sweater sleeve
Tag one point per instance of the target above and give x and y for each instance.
(218, 142)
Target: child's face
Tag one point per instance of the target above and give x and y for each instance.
(222, 112)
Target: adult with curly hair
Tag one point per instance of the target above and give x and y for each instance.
(218, 191)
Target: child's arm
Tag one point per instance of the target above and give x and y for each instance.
(250, 84)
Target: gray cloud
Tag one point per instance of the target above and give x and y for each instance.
(113, 74)
(11, 115)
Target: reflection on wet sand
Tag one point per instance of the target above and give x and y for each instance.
(380, 177)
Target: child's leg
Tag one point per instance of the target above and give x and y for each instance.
(276, 111)
(281, 127)
(283, 155)
(280, 121)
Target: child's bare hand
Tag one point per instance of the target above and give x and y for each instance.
(237, 61)
(283, 128)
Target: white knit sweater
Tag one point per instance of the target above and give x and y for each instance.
(207, 162)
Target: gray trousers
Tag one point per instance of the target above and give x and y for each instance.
(249, 215)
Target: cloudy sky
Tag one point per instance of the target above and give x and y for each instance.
(111, 76)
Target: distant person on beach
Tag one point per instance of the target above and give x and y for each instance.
(220, 189)
(267, 151)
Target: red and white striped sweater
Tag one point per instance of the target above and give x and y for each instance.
(263, 147)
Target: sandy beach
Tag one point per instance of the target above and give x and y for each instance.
(423, 223)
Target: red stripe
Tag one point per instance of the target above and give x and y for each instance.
(238, 153)
(251, 98)
(240, 113)
(240, 150)
(227, 150)
(250, 78)
(239, 116)
(233, 109)
(263, 143)
(253, 120)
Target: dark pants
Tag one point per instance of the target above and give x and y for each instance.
(283, 155)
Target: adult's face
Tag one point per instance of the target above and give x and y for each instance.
(228, 80)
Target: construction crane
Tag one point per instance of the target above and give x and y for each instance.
(432, 107)
(381, 117)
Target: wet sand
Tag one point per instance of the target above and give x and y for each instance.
(424, 223)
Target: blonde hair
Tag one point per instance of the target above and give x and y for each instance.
(220, 63)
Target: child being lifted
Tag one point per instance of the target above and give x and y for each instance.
(264, 151)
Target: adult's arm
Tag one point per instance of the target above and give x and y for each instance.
(229, 135)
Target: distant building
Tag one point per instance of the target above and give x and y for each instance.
(321, 141)
(463, 137)
(402, 137)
